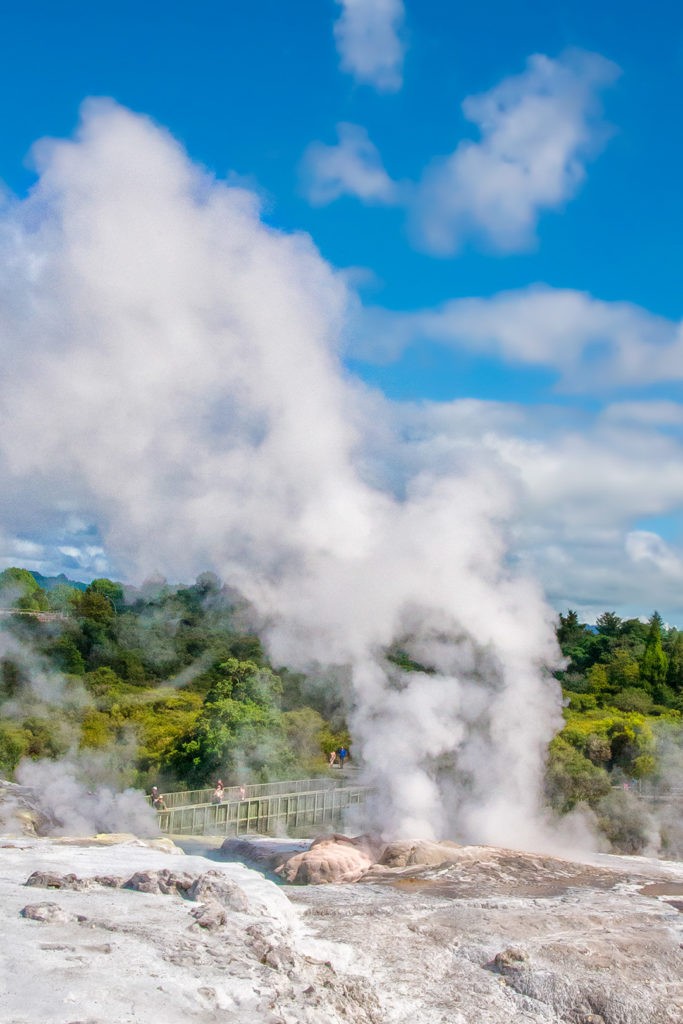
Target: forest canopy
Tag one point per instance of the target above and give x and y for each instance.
(172, 674)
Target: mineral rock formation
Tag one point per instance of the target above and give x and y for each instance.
(407, 853)
(333, 859)
(48, 912)
(499, 936)
(196, 942)
(482, 936)
(19, 812)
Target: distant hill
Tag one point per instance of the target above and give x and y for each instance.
(50, 582)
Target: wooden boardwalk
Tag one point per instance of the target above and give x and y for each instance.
(304, 806)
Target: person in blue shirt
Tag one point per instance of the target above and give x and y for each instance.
(343, 754)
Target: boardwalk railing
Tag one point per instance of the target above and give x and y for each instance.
(652, 792)
(275, 813)
(191, 797)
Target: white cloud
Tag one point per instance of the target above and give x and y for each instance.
(538, 129)
(581, 486)
(369, 41)
(591, 344)
(645, 546)
(353, 167)
(89, 558)
(648, 413)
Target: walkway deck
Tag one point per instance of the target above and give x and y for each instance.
(288, 808)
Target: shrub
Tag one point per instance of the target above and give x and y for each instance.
(625, 821)
(572, 779)
(633, 699)
(598, 749)
(582, 701)
(13, 745)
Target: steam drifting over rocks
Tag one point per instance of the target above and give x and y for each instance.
(51, 800)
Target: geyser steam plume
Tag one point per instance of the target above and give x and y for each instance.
(172, 377)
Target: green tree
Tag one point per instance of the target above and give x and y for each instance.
(91, 604)
(239, 730)
(112, 591)
(573, 637)
(104, 685)
(14, 743)
(643, 766)
(59, 599)
(623, 671)
(608, 624)
(128, 665)
(630, 738)
(634, 634)
(245, 681)
(606, 637)
(66, 655)
(598, 681)
(572, 779)
(633, 699)
(598, 749)
(570, 631)
(12, 678)
(96, 729)
(305, 730)
(207, 584)
(674, 672)
(46, 737)
(654, 664)
(581, 701)
(19, 589)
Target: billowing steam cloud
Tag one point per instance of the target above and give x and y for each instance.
(70, 808)
(171, 376)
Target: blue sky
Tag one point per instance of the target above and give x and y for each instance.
(246, 87)
(588, 236)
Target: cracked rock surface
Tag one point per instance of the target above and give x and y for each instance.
(129, 933)
(495, 936)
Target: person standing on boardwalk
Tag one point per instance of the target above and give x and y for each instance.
(343, 754)
(158, 802)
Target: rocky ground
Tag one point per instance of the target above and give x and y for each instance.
(125, 932)
(117, 929)
(476, 935)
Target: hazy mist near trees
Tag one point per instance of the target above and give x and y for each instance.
(171, 673)
(170, 685)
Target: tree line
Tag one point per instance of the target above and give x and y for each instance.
(622, 684)
(168, 676)
(174, 680)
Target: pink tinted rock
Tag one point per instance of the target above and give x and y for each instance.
(332, 859)
(408, 853)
